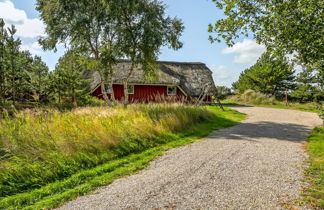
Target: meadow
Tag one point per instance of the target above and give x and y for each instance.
(49, 157)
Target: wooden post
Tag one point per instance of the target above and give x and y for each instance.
(286, 97)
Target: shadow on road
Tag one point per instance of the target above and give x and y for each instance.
(264, 129)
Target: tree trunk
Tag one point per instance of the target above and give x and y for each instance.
(126, 95)
(112, 94)
(104, 93)
(103, 87)
(125, 92)
(111, 85)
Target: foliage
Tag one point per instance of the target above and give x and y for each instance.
(314, 193)
(270, 75)
(67, 82)
(290, 27)
(144, 28)
(41, 147)
(110, 30)
(39, 80)
(309, 87)
(223, 92)
(255, 98)
(55, 194)
(22, 77)
(87, 25)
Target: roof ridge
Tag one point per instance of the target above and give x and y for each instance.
(171, 62)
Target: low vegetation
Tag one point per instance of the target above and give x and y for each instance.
(48, 157)
(314, 194)
(252, 98)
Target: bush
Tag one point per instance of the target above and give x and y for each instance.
(252, 97)
(39, 147)
(92, 101)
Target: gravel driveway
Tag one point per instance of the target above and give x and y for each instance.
(255, 165)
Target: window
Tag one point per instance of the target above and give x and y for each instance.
(108, 90)
(172, 90)
(130, 89)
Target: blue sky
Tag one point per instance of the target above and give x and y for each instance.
(226, 63)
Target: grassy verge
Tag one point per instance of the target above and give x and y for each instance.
(308, 107)
(252, 98)
(83, 181)
(314, 194)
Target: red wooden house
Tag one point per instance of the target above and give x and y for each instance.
(174, 81)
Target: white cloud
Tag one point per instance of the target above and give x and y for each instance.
(27, 28)
(224, 76)
(248, 51)
(33, 48)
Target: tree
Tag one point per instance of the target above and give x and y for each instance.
(17, 68)
(309, 87)
(270, 75)
(292, 27)
(68, 84)
(109, 30)
(3, 70)
(89, 25)
(39, 79)
(223, 92)
(17, 64)
(143, 29)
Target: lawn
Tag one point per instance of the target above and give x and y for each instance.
(50, 158)
(314, 193)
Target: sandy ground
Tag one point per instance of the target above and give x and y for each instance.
(257, 164)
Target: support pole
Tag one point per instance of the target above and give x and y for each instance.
(286, 97)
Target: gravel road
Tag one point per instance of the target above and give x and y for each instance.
(256, 164)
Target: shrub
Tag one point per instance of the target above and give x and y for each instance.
(252, 97)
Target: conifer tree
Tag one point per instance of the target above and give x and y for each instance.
(68, 82)
(270, 75)
(3, 72)
(39, 79)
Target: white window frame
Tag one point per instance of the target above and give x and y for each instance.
(132, 88)
(175, 90)
(109, 90)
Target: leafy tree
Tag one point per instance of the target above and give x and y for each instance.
(68, 84)
(292, 27)
(109, 30)
(270, 75)
(143, 29)
(89, 25)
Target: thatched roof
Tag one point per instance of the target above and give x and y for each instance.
(190, 77)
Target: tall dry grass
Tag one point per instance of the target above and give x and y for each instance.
(252, 97)
(39, 147)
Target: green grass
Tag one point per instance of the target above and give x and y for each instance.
(120, 163)
(314, 194)
(307, 107)
(252, 98)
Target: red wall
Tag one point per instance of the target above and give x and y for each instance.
(142, 93)
(145, 93)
